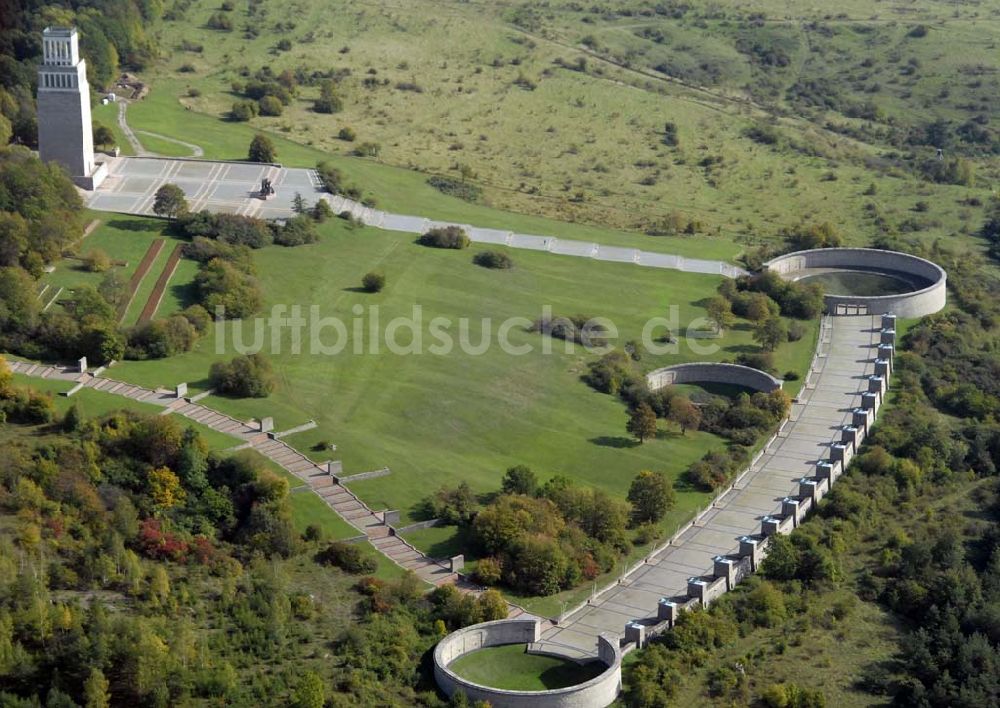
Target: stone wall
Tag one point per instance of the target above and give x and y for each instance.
(709, 372)
(598, 692)
(924, 301)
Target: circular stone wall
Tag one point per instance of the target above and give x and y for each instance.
(598, 692)
(930, 281)
(710, 372)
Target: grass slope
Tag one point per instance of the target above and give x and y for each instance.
(441, 419)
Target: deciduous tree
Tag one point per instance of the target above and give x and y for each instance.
(651, 495)
(642, 422)
(170, 201)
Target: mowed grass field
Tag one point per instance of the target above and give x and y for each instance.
(438, 419)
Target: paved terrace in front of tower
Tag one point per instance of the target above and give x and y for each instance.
(231, 187)
(228, 187)
(844, 361)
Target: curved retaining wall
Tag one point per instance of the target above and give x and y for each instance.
(918, 303)
(598, 692)
(712, 373)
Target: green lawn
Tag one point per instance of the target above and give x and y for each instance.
(511, 668)
(309, 509)
(163, 146)
(108, 116)
(436, 419)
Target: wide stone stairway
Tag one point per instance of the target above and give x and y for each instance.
(838, 379)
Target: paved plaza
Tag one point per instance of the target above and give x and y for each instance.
(230, 187)
(216, 186)
(844, 361)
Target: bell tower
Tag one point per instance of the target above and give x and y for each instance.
(65, 134)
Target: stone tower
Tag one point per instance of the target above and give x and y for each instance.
(65, 134)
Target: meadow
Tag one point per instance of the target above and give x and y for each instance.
(500, 92)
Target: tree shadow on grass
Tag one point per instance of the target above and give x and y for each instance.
(186, 294)
(615, 441)
(137, 225)
(668, 434)
(356, 289)
(454, 545)
(201, 384)
(742, 349)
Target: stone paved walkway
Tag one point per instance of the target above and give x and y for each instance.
(845, 358)
(339, 498)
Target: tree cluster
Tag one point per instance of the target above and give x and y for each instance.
(542, 538)
(243, 376)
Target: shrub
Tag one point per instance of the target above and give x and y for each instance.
(489, 571)
(581, 329)
(321, 211)
(373, 282)
(763, 134)
(198, 317)
(796, 331)
(791, 376)
(348, 557)
(493, 259)
(243, 376)
(270, 106)
(97, 261)
(455, 188)
(220, 21)
(329, 101)
(347, 134)
(297, 231)
(331, 177)
(445, 237)
(243, 111)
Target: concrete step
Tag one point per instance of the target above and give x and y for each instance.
(356, 514)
